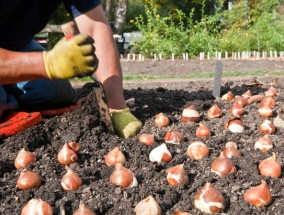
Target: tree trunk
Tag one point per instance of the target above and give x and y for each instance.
(120, 16)
(109, 9)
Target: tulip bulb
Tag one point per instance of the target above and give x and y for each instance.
(174, 137)
(268, 101)
(70, 181)
(148, 206)
(180, 213)
(114, 156)
(23, 159)
(74, 146)
(214, 112)
(203, 131)
(190, 114)
(37, 206)
(231, 150)
(270, 167)
(83, 210)
(66, 155)
(235, 126)
(147, 139)
(255, 98)
(267, 127)
(197, 150)
(228, 96)
(259, 195)
(123, 177)
(177, 176)
(265, 111)
(247, 94)
(28, 180)
(263, 144)
(223, 166)
(160, 154)
(271, 92)
(209, 199)
(241, 100)
(161, 120)
(237, 110)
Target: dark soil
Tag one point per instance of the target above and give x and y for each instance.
(83, 125)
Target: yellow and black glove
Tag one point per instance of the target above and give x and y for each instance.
(74, 57)
(125, 123)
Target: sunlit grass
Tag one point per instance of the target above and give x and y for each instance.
(135, 77)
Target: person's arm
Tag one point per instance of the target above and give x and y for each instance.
(16, 66)
(68, 58)
(95, 24)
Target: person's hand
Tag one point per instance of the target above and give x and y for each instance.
(74, 57)
(125, 123)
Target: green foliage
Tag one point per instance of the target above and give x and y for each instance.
(178, 34)
(257, 27)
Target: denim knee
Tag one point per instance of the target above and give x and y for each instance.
(42, 94)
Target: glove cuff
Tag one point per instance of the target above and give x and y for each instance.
(46, 65)
(114, 111)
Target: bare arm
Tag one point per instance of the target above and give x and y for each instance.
(20, 66)
(95, 24)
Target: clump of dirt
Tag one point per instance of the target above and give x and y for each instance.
(83, 125)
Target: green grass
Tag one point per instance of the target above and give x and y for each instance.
(201, 75)
(134, 77)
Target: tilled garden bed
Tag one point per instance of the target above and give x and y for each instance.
(83, 126)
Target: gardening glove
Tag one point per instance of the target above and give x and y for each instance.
(74, 57)
(125, 123)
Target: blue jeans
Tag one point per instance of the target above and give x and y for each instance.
(38, 94)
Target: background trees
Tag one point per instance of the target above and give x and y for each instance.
(192, 26)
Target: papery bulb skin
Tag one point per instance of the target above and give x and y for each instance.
(268, 101)
(209, 200)
(197, 150)
(161, 120)
(123, 177)
(259, 195)
(231, 150)
(265, 111)
(24, 158)
(270, 167)
(28, 180)
(148, 206)
(74, 146)
(267, 127)
(255, 98)
(247, 94)
(271, 92)
(66, 155)
(263, 144)
(237, 110)
(160, 154)
(174, 137)
(37, 207)
(214, 112)
(147, 139)
(241, 100)
(228, 96)
(202, 131)
(190, 114)
(223, 166)
(83, 210)
(114, 156)
(70, 181)
(235, 126)
(177, 176)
